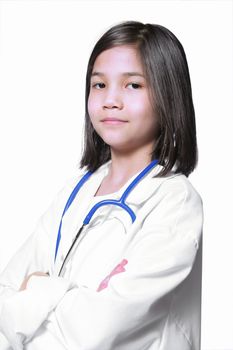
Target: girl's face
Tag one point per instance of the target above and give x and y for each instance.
(119, 104)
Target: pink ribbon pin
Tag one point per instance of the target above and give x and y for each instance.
(118, 269)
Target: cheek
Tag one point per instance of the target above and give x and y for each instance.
(142, 110)
(91, 106)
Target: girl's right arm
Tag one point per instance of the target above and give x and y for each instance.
(34, 256)
(20, 266)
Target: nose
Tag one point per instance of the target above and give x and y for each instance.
(113, 99)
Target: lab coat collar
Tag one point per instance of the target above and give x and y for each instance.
(143, 190)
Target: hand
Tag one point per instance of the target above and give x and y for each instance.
(25, 282)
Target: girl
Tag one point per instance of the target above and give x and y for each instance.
(127, 276)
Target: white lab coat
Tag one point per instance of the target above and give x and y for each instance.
(126, 286)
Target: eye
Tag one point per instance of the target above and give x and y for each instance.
(134, 86)
(98, 85)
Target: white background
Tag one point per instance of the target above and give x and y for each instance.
(44, 47)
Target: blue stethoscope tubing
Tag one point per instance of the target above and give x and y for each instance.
(118, 202)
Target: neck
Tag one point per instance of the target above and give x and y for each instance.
(123, 167)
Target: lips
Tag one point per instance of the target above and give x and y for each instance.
(113, 120)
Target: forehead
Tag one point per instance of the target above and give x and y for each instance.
(119, 59)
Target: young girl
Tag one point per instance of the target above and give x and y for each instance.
(118, 265)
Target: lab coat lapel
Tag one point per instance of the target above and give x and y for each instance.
(146, 187)
(73, 218)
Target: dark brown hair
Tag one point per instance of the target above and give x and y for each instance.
(167, 73)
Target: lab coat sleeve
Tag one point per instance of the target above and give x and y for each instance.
(35, 252)
(20, 315)
(4, 344)
(34, 255)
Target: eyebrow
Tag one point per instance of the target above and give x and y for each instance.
(126, 74)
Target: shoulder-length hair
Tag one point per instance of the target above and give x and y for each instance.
(166, 71)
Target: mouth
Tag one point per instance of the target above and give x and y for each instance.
(113, 121)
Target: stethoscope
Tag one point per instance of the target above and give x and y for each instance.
(118, 202)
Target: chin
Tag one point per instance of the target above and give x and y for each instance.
(116, 143)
